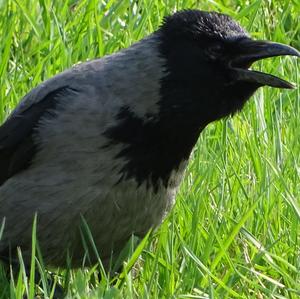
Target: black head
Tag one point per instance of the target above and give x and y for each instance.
(206, 77)
(208, 55)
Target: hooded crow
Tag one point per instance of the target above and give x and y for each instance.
(108, 140)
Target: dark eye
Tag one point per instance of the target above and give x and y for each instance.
(216, 48)
(214, 51)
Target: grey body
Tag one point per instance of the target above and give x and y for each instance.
(76, 172)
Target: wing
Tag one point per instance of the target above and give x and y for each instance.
(17, 147)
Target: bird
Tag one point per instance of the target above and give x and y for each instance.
(108, 140)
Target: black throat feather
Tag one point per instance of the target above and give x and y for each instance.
(192, 94)
(156, 148)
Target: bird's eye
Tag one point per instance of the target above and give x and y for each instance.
(214, 51)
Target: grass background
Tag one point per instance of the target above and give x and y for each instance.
(234, 232)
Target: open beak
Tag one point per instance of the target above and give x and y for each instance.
(251, 51)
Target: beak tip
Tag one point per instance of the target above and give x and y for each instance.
(289, 85)
(293, 86)
(296, 53)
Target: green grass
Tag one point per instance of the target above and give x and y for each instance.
(235, 229)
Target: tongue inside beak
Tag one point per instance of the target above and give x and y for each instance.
(251, 51)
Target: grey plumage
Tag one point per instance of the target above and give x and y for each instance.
(92, 94)
(109, 139)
